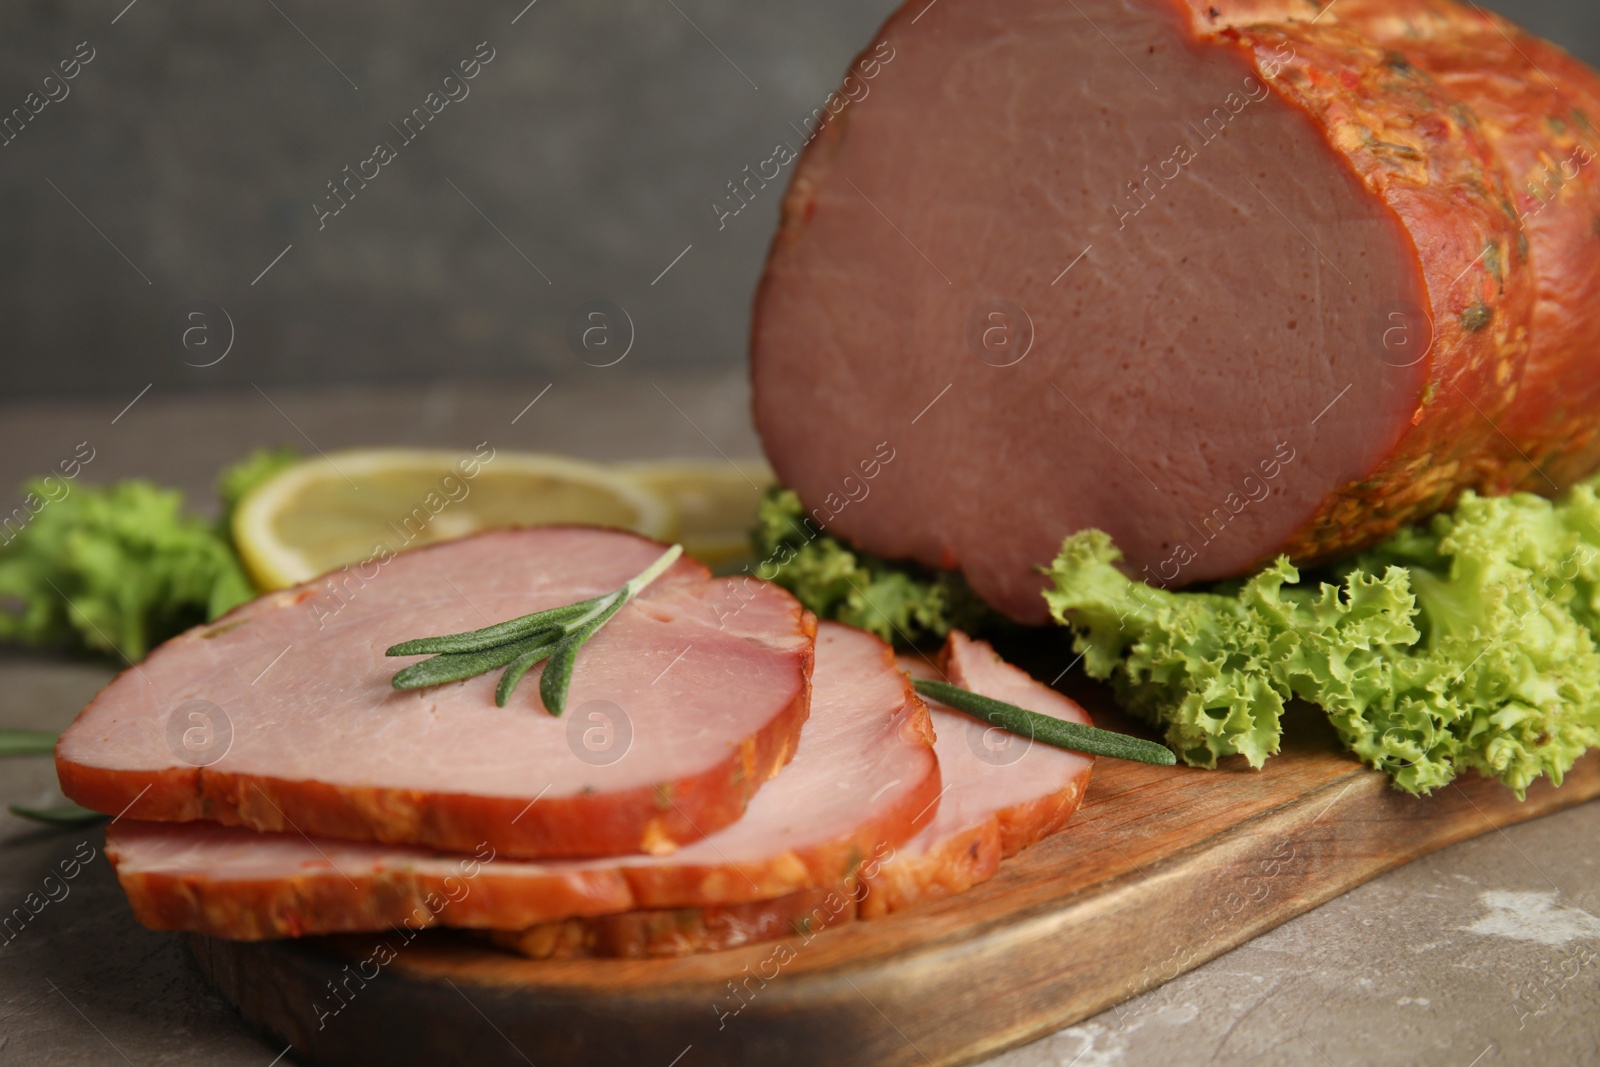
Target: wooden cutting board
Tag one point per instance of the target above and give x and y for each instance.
(1161, 870)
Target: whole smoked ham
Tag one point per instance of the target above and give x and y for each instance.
(1224, 278)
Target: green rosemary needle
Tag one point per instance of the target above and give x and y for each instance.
(1050, 730)
(519, 666)
(519, 644)
(455, 666)
(26, 743)
(496, 635)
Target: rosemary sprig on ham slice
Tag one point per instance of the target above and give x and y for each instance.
(518, 644)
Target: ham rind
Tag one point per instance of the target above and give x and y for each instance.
(684, 931)
(863, 779)
(1223, 291)
(1000, 795)
(280, 716)
(1536, 106)
(247, 885)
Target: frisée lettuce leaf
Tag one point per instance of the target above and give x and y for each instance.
(1464, 644)
(901, 603)
(117, 569)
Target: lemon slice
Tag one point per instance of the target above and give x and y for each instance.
(327, 511)
(715, 501)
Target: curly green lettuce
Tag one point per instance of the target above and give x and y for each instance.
(235, 482)
(117, 569)
(903, 604)
(1465, 644)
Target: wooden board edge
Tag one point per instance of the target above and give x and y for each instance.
(1002, 983)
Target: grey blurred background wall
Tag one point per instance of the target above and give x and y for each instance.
(161, 206)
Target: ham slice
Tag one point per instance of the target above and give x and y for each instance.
(1001, 794)
(281, 717)
(863, 779)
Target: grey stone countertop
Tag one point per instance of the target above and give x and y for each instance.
(1486, 953)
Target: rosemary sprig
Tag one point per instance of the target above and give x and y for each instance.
(26, 743)
(518, 644)
(1050, 730)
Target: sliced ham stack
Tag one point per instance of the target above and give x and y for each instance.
(764, 774)
(869, 817)
(863, 779)
(280, 716)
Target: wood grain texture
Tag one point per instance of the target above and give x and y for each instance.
(1161, 870)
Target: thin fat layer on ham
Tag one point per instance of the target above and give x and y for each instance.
(281, 715)
(863, 779)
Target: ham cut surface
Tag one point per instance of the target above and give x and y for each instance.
(280, 716)
(1210, 276)
(863, 779)
(1001, 794)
